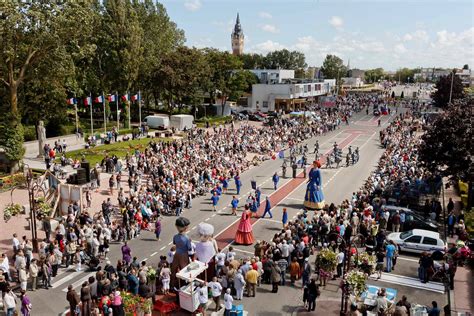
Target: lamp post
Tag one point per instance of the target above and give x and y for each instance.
(32, 187)
(451, 89)
(346, 267)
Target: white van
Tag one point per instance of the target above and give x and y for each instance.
(158, 121)
(182, 121)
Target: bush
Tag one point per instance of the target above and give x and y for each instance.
(29, 133)
(11, 138)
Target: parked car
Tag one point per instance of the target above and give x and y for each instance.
(264, 115)
(256, 118)
(418, 241)
(413, 220)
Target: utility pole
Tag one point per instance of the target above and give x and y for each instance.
(451, 89)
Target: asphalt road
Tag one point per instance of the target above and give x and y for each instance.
(338, 184)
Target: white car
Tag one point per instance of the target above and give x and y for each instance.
(418, 240)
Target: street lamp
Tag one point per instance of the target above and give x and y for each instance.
(346, 267)
(33, 188)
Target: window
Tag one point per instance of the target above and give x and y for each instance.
(430, 241)
(414, 239)
(309, 88)
(406, 234)
(265, 104)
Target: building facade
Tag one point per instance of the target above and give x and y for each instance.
(289, 95)
(272, 76)
(237, 38)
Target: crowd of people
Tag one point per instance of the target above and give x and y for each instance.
(164, 179)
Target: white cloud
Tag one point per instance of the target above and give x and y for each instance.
(192, 5)
(265, 15)
(400, 48)
(418, 35)
(269, 28)
(336, 21)
(267, 46)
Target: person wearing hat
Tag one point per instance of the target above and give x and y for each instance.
(183, 248)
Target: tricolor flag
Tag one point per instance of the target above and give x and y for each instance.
(71, 101)
(87, 101)
(125, 97)
(134, 97)
(112, 98)
(98, 99)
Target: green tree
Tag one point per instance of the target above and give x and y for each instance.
(285, 59)
(373, 75)
(252, 61)
(241, 81)
(333, 68)
(405, 75)
(223, 66)
(443, 90)
(447, 145)
(124, 40)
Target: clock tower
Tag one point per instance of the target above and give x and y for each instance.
(237, 38)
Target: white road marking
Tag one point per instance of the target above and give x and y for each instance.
(270, 220)
(162, 248)
(70, 276)
(207, 219)
(170, 243)
(194, 227)
(214, 215)
(153, 254)
(80, 281)
(294, 199)
(408, 259)
(244, 251)
(411, 282)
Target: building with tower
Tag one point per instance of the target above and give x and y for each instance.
(237, 38)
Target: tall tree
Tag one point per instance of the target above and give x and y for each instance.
(373, 75)
(405, 75)
(285, 59)
(443, 90)
(124, 37)
(223, 67)
(447, 145)
(333, 68)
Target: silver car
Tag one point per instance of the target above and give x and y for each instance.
(418, 241)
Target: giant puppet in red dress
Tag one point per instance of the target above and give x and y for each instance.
(244, 235)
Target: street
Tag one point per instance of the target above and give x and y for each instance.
(338, 185)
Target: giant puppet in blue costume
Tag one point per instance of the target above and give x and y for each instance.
(314, 198)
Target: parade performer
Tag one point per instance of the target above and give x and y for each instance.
(244, 235)
(183, 248)
(314, 198)
(206, 249)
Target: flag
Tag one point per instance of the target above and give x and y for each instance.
(112, 98)
(87, 101)
(125, 97)
(71, 101)
(98, 99)
(134, 97)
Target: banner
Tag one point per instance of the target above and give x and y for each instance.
(328, 102)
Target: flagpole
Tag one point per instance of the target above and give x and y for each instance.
(129, 112)
(75, 110)
(105, 119)
(116, 104)
(89, 101)
(140, 107)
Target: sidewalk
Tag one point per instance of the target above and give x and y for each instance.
(463, 294)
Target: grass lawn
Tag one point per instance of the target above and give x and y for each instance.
(216, 120)
(120, 149)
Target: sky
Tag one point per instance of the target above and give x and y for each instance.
(378, 33)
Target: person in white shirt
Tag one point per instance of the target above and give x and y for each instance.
(16, 243)
(228, 300)
(216, 289)
(9, 302)
(230, 254)
(203, 298)
(340, 262)
(220, 261)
